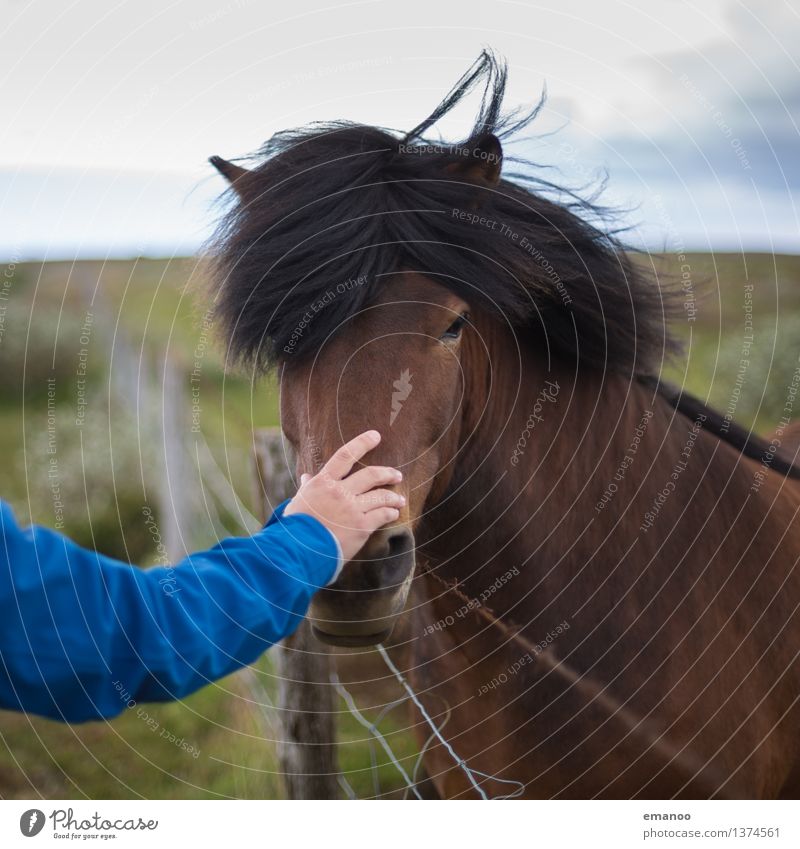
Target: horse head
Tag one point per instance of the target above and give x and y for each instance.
(395, 366)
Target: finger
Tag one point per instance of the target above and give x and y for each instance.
(380, 498)
(381, 516)
(350, 453)
(304, 479)
(365, 479)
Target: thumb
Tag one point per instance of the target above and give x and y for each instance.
(304, 479)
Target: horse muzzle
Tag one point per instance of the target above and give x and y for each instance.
(361, 608)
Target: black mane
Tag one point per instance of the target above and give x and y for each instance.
(340, 201)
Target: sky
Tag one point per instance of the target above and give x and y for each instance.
(111, 109)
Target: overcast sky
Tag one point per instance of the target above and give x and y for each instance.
(112, 108)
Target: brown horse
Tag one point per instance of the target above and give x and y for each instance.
(595, 575)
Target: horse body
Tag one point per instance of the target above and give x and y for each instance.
(690, 625)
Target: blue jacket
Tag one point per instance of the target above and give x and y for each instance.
(81, 635)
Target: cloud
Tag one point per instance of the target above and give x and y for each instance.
(732, 110)
(705, 145)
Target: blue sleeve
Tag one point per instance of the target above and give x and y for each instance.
(81, 635)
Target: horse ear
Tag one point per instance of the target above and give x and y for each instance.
(237, 176)
(483, 164)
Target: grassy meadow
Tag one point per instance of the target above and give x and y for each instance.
(83, 348)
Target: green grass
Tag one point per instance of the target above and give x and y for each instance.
(135, 756)
(214, 744)
(714, 340)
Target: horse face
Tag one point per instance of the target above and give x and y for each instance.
(394, 367)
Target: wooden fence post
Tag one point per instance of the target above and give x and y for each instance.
(306, 700)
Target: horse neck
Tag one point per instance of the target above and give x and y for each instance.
(558, 467)
(511, 436)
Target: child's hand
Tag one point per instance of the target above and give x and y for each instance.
(350, 507)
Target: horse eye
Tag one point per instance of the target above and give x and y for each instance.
(454, 331)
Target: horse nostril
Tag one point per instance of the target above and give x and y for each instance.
(388, 544)
(399, 542)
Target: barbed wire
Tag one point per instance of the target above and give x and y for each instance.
(374, 730)
(468, 771)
